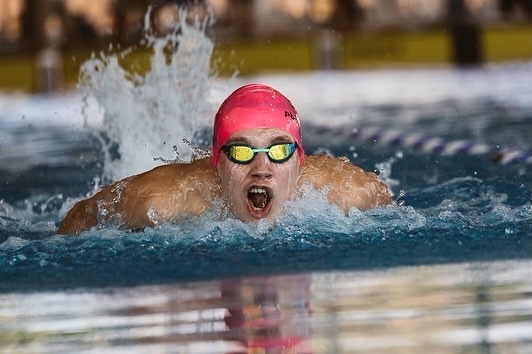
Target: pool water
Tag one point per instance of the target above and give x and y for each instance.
(446, 271)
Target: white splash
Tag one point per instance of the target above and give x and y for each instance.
(147, 116)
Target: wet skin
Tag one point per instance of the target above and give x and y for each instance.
(174, 191)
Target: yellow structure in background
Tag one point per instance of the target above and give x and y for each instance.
(352, 51)
(274, 55)
(373, 50)
(507, 43)
(17, 73)
(397, 48)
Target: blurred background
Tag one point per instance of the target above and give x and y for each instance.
(44, 42)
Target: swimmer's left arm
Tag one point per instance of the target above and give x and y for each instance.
(347, 185)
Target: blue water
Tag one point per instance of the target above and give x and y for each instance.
(454, 208)
(456, 214)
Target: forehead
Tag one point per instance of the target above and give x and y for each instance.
(260, 136)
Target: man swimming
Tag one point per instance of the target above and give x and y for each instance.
(257, 164)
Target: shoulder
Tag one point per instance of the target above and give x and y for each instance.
(173, 175)
(324, 169)
(176, 177)
(347, 185)
(179, 169)
(166, 192)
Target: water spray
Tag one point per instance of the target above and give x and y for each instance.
(144, 115)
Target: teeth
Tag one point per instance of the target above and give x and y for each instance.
(258, 190)
(259, 198)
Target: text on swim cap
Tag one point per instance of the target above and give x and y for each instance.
(290, 114)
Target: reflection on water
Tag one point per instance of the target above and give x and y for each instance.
(469, 307)
(270, 313)
(479, 307)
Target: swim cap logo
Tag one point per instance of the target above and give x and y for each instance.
(290, 114)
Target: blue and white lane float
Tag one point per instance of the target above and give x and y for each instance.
(432, 145)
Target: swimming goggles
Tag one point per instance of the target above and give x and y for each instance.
(243, 154)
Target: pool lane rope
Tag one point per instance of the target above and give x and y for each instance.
(434, 145)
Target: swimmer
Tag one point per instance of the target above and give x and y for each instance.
(257, 164)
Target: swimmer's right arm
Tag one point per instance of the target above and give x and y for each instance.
(104, 205)
(82, 216)
(164, 193)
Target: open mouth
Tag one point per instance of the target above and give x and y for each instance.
(259, 199)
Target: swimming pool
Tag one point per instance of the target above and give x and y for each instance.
(448, 270)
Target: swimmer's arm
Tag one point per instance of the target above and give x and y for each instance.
(105, 205)
(347, 185)
(162, 194)
(82, 216)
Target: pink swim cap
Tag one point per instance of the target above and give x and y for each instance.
(255, 106)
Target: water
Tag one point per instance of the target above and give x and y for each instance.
(447, 271)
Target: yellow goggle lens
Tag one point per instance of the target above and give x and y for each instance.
(278, 152)
(241, 153)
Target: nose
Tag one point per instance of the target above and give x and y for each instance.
(261, 166)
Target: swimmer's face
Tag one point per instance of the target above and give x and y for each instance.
(259, 188)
